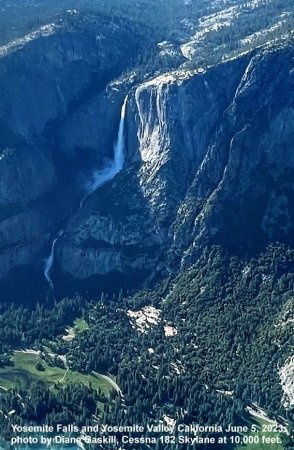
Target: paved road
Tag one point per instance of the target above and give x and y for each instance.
(110, 381)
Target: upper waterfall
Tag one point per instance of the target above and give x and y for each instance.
(111, 169)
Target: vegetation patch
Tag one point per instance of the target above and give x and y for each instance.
(26, 370)
(80, 325)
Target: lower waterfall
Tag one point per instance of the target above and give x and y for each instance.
(50, 260)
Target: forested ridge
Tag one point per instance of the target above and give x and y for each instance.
(233, 331)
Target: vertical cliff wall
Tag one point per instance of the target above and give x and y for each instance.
(57, 124)
(125, 226)
(208, 161)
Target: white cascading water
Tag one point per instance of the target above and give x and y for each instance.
(108, 173)
(50, 260)
(100, 177)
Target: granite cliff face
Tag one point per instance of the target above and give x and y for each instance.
(125, 225)
(53, 115)
(208, 156)
(208, 160)
(248, 202)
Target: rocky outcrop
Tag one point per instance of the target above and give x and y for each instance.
(208, 160)
(247, 203)
(54, 112)
(286, 375)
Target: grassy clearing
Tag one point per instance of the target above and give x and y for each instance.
(24, 373)
(260, 425)
(80, 325)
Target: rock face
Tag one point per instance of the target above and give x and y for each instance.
(248, 202)
(208, 160)
(208, 156)
(53, 114)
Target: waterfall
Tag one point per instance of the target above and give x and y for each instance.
(108, 173)
(50, 260)
(119, 145)
(99, 178)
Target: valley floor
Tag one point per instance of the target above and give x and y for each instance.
(24, 373)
